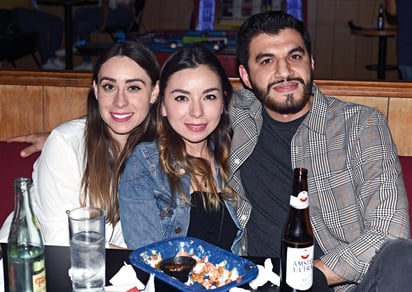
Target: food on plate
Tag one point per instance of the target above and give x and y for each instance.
(209, 275)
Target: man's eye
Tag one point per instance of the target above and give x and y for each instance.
(266, 61)
(296, 57)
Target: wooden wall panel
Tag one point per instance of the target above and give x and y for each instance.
(32, 101)
(400, 110)
(20, 105)
(72, 99)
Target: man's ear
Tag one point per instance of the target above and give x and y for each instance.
(244, 76)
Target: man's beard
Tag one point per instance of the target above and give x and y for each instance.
(292, 105)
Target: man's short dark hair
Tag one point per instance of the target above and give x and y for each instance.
(270, 22)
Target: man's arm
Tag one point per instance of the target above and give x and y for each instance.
(37, 141)
(379, 195)
(331, 277)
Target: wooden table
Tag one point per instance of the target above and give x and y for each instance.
(383, 36)
(68, 24)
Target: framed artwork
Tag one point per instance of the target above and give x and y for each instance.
(229, 14)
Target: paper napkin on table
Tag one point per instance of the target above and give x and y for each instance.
(265, 274)
(125, 280)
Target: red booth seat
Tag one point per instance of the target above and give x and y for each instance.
(12, 166)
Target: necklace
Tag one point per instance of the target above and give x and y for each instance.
(221, 222)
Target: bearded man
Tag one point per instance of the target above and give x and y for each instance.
(281, 120)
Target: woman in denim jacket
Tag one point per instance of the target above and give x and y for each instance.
(176, 185)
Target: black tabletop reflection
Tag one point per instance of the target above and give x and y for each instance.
(58, 263)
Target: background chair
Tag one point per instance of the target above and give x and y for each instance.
(133, 26)
(17, 45)
(96, 48)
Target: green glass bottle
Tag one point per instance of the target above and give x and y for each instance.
(25, 249)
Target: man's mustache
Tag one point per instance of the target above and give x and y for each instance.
(298, 79)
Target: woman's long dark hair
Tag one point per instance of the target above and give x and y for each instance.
(104, 158)
(171, 145)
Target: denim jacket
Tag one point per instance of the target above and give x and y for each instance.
(144, 198)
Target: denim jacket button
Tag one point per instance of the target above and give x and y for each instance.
(178, 229)
(163, 213)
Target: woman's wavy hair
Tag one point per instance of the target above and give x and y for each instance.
(173, 155)
(104, 158)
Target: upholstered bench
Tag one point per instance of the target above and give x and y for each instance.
(12, 166)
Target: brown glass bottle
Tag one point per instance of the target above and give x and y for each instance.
(380, 22)
(296, 260)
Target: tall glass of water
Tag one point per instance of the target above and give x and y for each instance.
(87, 249)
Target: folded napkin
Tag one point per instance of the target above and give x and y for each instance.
(125, 280)
(265, 274)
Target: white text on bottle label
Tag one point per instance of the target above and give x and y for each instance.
(299, 267)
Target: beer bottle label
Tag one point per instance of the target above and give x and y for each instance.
(39, 276)
(301, 201)
(299, 267)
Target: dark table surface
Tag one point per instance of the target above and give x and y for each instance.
(58, 264)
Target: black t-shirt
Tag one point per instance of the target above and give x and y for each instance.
(270, 190)
(213, 226)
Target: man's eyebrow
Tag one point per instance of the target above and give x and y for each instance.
(261, 56)
(298, 50)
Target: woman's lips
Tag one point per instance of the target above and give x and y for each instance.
(196, 127)
(121, 117)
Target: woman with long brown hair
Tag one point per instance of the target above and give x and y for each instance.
(82, 159)
(176, 186)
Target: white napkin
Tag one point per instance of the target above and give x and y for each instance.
(125, 280)
(150, 286)
(265, 274)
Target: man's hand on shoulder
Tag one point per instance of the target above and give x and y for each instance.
(36, 140)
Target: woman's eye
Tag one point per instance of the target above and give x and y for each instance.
(210, 97)
(134, 88)
(107, 87)
(180, 98)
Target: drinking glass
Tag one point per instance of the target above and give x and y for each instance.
(87, 249)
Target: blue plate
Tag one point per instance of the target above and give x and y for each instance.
(141, 258)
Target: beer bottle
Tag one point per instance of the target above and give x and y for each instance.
(25, 249)
(381, 24)
(296, 261)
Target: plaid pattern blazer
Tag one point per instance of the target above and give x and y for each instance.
(357, 195)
